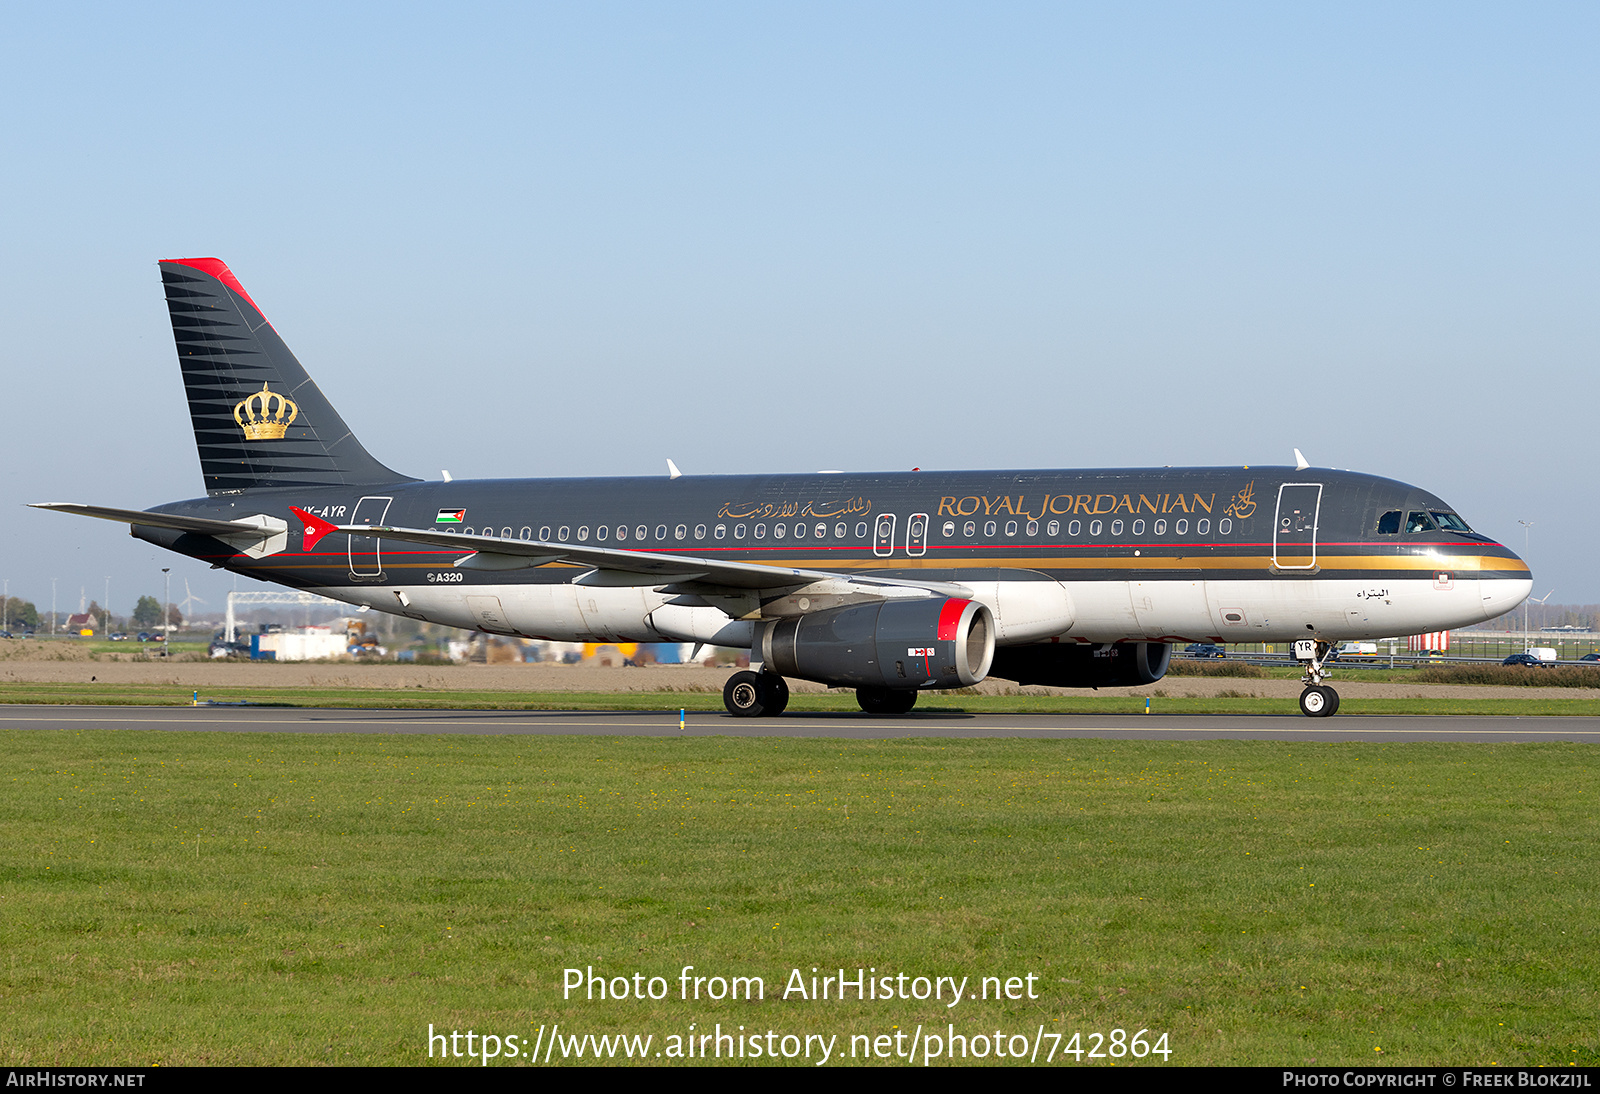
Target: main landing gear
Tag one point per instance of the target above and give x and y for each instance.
(764, 695)
(886, 700)
(1318, 700)
(755, 694)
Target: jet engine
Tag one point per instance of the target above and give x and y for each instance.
(898, 644)
(1064, 665)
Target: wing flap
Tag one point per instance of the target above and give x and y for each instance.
(617, 566)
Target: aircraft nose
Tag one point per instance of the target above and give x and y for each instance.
(1506, 588)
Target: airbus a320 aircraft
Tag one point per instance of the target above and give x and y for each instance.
(891, 584)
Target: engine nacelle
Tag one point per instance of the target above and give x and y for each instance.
(924, 643)
(1064, 665)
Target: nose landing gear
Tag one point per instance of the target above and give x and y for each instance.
(1318, 700)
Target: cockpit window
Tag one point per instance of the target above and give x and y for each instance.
(1419, 521)
(1450, 522)
(1389, 523)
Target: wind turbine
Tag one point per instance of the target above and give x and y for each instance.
(189, 599)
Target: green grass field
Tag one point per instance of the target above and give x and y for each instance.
(218, 898)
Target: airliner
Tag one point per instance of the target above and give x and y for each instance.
(891, 583)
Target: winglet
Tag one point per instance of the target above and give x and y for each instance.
(315, 527)
(1300, 463)
(672, 470)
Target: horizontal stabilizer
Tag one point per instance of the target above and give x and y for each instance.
(257, 535)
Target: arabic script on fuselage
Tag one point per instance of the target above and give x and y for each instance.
(779, 510)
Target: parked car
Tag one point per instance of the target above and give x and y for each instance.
(1204, 649)
(1591, 657)
(1523, 659)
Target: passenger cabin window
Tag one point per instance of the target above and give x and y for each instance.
(699, 531)
(601, 532)
(1053, 528)
(970, 528)
(661, 531)
(583, 532)
(1202, 526)
(544, 534)
(1074, 528)
(1389, 523)
(861, 530)
(721, 531)
(641, 532)
(1161, 527)
(680, 532)
(622, 532)
(1138, 527)
(1116, 527)
(1418, 521)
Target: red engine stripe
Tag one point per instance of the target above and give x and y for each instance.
(950, 618)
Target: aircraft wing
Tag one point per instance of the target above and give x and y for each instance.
(612, 567)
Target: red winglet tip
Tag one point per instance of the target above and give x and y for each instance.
(315, 527)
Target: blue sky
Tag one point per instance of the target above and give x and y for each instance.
(529, 240)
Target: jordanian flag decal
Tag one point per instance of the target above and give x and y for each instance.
(450, 516)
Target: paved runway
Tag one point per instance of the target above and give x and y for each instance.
(665, 724)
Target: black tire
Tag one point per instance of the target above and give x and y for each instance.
(1333, 701)
(886, 700)
(1315, 703)
(776, 689)
(744, 695)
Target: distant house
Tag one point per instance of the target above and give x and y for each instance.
(81, 624)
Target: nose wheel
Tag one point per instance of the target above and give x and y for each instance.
(1319, 701)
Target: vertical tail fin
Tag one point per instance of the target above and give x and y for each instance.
(259, 420)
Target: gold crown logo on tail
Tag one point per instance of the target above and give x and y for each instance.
(265, 415)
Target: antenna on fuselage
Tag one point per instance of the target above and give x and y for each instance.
(1300, 462)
